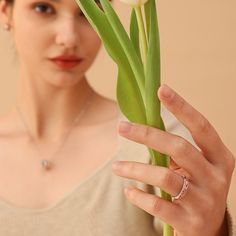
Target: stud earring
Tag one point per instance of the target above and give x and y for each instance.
(7, 27)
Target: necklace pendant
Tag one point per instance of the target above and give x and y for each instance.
(46, 165)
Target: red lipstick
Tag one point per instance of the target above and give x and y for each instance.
(67, 61)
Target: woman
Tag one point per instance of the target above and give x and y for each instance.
(54, 183)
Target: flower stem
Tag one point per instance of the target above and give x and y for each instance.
(168, 230)
(143, 37)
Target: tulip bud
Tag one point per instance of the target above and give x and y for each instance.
(134, 3)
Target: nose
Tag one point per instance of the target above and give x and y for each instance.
(67, 34)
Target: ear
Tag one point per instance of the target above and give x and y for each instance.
(5, 12)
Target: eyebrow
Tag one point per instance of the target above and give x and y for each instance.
(54, 0)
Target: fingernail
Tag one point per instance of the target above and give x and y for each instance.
(116, 165)
(128, 189)
(166, 91)
(124, 127)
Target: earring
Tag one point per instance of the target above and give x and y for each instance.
(7, 27)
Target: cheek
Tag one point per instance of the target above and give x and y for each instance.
(28, 39)
(91, 43)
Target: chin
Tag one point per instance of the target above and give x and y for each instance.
(65, 82)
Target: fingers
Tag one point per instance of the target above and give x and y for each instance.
(182, 152)
(202, 131)
(162, 177)
(154, 205)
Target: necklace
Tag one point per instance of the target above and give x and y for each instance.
(48, 164)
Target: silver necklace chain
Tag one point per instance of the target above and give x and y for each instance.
(47, 164)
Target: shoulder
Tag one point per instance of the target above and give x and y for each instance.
(9, 126)
(104, 109)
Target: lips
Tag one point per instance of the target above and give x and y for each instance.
(67, 63)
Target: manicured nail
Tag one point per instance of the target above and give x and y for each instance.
(167, 92)
(124, 127)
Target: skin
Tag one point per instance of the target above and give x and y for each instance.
(209, 182)
(50, 99)
(40, 81)
(56, 29)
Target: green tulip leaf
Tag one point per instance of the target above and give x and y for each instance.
(147, 7)
(126, 44)
(130, 102)
(137, 81)
(134, 108)
(134, 33)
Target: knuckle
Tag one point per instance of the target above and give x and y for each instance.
(222, 183)
(198, 222)
(230, 162)
(167, 178)
(130, 168)
(149, 135)
(219, 178)
(211, 204)
(182, 147)
(156, 206)
(203, 125)
(181, 104)
(147, 132)
(134, 129)
(222, 179)
(207, 204)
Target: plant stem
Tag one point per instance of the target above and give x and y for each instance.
(143, 37)
(158, 159)
(168, 230)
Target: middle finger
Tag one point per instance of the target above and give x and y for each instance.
(182, 152)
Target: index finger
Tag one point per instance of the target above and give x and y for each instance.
(203, 133)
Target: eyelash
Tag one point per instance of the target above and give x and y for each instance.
(47, 7)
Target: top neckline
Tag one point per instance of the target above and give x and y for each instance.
(69, 194)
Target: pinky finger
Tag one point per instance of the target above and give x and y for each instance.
(168, 212)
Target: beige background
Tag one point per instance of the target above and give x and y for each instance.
(198, 52)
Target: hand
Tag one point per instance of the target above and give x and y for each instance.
(209, 169)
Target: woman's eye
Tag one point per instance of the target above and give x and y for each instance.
(43, 8)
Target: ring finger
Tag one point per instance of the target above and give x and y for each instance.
(164, 178)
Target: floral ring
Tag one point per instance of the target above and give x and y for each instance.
(183, 190)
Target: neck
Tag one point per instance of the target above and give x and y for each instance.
(48, 110)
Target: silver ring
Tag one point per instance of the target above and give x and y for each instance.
(184, 189)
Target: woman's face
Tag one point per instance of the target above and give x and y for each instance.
(46, 29)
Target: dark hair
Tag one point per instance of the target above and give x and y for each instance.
(9, 1)
(12, 1)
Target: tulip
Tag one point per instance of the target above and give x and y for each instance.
(138, 69)
(134, 3)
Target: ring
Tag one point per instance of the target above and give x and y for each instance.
(184, 189)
